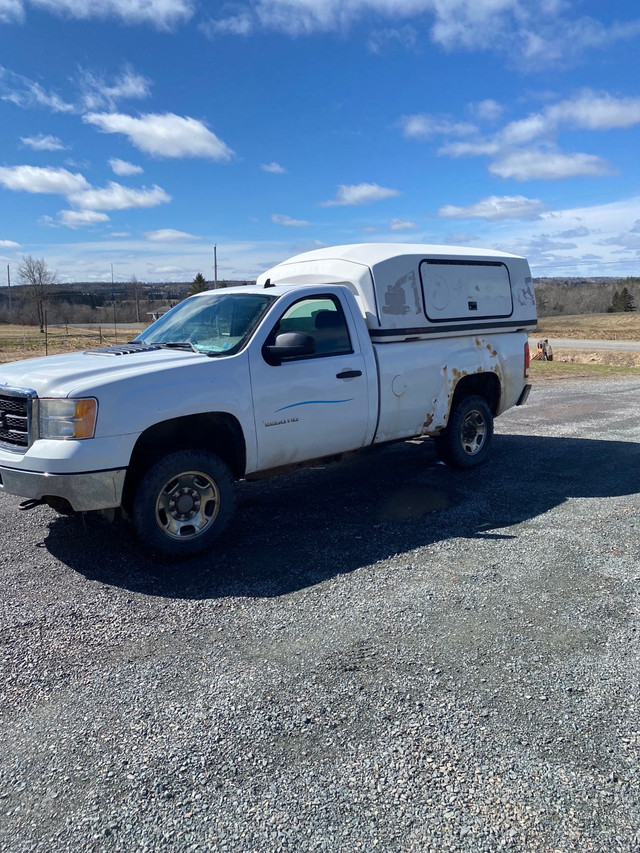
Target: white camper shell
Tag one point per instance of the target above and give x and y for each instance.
(411, 290)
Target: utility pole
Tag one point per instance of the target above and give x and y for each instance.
(215, 267)
(113, 297)
(9, 286)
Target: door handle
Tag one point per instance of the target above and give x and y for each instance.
(348, 374)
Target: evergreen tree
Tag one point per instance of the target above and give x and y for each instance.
(627, 300)
(622, 301)
(198, 284)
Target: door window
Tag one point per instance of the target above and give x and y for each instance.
(323, 319)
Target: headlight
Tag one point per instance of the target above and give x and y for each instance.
(66, 418)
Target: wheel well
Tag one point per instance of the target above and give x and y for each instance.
(486, 385)
(218, 432)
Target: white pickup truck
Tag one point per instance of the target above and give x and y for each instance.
(331, 351)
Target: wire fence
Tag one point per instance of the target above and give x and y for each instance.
(18, 342)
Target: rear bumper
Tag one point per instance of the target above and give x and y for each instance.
(85, 492)
(522, 399)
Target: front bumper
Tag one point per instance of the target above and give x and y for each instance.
(84, 492)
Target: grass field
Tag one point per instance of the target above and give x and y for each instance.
(611, 327)
(17, 342)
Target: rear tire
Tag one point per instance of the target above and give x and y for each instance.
(466, 441)
(183, 503)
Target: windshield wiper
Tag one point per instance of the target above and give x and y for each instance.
(178, 345)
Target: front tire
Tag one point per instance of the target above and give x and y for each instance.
(183, 503)
(466, 441)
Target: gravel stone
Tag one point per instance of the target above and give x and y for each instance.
(380, 654)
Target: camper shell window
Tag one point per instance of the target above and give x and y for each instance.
(465, 290)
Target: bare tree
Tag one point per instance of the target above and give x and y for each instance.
(35, 273)
(134, 291)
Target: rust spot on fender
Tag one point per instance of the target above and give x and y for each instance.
(492, 350)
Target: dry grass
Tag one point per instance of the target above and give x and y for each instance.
(611, 327)
(18, 342)
(545, 370)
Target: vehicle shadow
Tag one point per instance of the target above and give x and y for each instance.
(297, 530)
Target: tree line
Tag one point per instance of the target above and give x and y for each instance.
(584, 297)
(40, 299)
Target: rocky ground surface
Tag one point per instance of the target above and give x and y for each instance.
(380, 654)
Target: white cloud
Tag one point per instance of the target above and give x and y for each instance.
(116, 197)
(40, 142)
(528, 33)
(526, 149)
(98, 94)
(383, 41)
(587, 111)
(559, 40)
(166, 135)
(540, 164)
(401, 225)
(9, 244)
(81, 218)
(572, 233)
(168, 235)
(487, 110)
(497, 208)
(26, 93)
(425, 126)
(79, 191)
(236, 25)
(470, 149)
(95, 93)
(34, 179)
(273, 168)
(162, 14)
(527, 129)
(303, 17)
(355, 194)
(123, 168)
(280, 219)
(11, 11)
(459, 238)
(596, 111)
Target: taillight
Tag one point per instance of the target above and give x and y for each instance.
(527, 359)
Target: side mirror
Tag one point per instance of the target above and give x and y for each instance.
(290, 345)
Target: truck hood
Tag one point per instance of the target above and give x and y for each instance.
(85, 372)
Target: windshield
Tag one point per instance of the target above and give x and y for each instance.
(216, 324)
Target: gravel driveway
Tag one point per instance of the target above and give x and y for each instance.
(381, 654)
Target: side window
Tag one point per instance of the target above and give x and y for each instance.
(322, 318)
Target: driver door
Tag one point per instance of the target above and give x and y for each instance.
(316, 405)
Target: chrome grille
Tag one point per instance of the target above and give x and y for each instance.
(16, 408)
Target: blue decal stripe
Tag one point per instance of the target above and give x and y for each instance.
(312, 403)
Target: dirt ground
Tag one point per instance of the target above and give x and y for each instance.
(616, 358)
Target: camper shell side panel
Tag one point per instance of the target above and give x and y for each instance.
(422, 291)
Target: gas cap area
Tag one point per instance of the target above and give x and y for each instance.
(398, 386)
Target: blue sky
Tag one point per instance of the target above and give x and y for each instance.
(140, 133)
